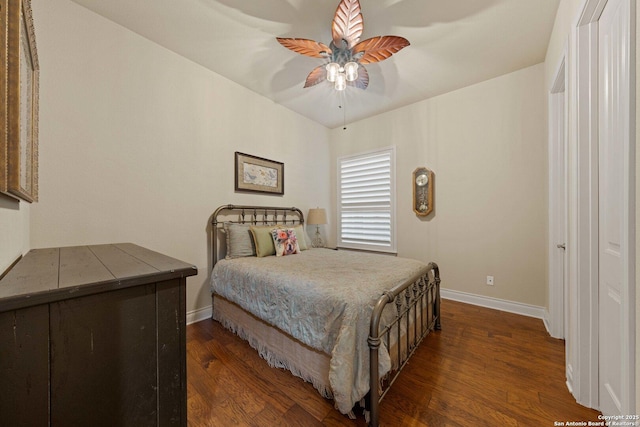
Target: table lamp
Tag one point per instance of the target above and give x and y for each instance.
(317, 217)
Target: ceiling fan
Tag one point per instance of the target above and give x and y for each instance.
(346, 53)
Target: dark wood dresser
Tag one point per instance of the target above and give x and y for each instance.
(94, 336)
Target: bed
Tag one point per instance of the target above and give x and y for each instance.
(345, 321)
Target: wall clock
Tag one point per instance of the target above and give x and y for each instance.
(423, 191)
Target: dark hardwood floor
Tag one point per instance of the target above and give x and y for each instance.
(485, 368)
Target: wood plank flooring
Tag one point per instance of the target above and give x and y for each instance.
(485, 368)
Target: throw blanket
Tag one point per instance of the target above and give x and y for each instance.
(323, 298)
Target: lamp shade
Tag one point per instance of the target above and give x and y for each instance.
(351, 71)
(317, 216)
(332, 71)
(341, 82)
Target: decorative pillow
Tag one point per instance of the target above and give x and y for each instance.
(239, 241)
(300, 234)
(263, 240)
(285, 241)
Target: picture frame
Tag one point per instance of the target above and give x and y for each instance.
(4, 149)
(20, 80)
(258, 175)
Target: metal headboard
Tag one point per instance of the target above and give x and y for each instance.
(249, 214)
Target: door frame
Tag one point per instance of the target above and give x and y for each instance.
(583, 208)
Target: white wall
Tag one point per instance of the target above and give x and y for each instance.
(137, 143)
(566, 19)
(487, 146)
(14, 230)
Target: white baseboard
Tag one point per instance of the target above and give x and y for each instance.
(482, 301)
(547, 321)
(199, 314)
(494, 303)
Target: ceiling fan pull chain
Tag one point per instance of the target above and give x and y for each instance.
(344, 110)
(344, 118)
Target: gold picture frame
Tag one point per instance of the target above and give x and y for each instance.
(258, 175)
(20, 84)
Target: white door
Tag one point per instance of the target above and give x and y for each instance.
(557, 207)
(615, 206)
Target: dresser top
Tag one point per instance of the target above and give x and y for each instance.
(53, 274)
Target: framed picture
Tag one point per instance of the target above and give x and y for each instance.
(19, 141)
(258, 175)
(4, 149)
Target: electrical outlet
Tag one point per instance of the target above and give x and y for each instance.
(490, 280)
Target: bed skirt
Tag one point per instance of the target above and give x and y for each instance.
(277, 348)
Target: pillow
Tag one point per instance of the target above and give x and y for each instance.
(285, 241)
(300, 235)
(239, 241)
(263, 240)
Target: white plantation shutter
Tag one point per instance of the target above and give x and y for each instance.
(366, 206)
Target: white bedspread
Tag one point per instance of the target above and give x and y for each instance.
(323, 298)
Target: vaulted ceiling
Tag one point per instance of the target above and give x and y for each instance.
(454, 43)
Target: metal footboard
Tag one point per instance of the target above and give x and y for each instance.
(417, 305)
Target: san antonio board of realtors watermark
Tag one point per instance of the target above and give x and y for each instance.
(604, 421)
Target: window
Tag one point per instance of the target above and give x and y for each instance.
(366, 205)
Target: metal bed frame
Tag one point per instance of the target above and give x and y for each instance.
(255, 215)
(417, 302)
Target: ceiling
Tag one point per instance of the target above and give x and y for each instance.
(454, 43)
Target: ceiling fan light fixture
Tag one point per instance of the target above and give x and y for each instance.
(351, 71)
(341, 81)
(346, 52)
(333, 69)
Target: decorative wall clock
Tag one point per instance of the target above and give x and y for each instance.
(423, 191)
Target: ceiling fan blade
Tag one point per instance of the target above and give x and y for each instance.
(347, 24)
(362, 82)
(316, 76)
(379, 48)
(306, 47)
